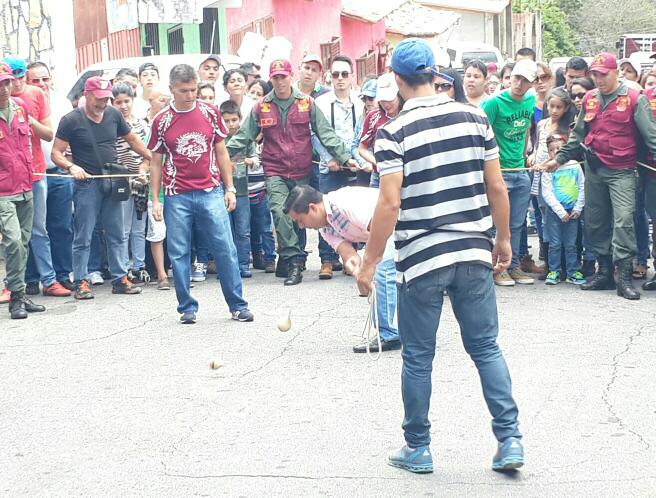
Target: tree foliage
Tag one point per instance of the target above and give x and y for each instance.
(557, 36)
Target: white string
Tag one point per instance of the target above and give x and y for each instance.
(93, 176)
(372, 322)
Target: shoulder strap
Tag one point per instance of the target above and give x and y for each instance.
(85, 120)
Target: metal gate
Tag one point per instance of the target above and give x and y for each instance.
(176, 39)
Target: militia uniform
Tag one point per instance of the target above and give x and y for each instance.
(287, 159)
(649, 178)
(608, 129)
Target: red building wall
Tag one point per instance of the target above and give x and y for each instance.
(359, 37)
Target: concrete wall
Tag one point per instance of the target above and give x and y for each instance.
(359, 37)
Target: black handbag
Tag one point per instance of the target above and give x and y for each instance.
(117, 188)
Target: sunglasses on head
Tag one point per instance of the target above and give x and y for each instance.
(443, 87)
(343, 74)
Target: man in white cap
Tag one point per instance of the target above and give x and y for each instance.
(510, 114)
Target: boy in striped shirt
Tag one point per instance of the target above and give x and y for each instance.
(441, 189)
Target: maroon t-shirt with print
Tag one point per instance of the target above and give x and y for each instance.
(187, 140)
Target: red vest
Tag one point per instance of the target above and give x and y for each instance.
(15, 155)
(612, 133)
(287, 150)
(651, 97)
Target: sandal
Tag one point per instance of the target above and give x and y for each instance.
(640, 272)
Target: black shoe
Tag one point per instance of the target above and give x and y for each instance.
(270, 267)
(258, 261)
(67, 284)
(32, 289)
(295, 275)
(17, 306)
(603, 279)
(650, 284)
(373, 346)
(138, 277)
(625, 281)
(188, 318)
(106, 274)
(281, 268)
(31, 307)
(337, 265)
(588, 268)
(124, 286)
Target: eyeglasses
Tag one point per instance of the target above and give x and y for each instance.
(443, 87)
(37, 80)
(343, 74)
(577, 96)
(256, 76)
(543, 77)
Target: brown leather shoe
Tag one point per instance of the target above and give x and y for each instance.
(326, 272)
(57, 290)
(527, 265)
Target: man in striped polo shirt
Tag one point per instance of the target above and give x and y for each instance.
(441, 189)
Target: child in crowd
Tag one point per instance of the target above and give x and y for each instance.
(240, 218)
(564, 196)
(134, 219)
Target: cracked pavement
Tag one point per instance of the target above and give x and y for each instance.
(114, 397)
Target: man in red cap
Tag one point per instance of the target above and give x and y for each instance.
(286, 118)
(309, 75)
(91, 131)
(611, 119)
(16, 207)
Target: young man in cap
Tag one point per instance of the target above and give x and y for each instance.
(510, 113)
(440, 192)
(198, 187)
(91, 132)
(286, 118)
(148, 79)
(210, 70)
(16, 209)
(39, 266)
(342, 107)
(309, 75)
(343, 218)
(606, 131)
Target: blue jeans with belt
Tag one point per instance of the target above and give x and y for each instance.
(207, 210)
(472, 296)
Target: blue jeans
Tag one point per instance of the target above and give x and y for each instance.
(262, 228)
(39, 261)
(385, 280)
(374, 180)
(135, 233)
(641, 226)
(302, 234)
(207, 210)
(98, 250)
(59, 223)
(471, 291)
(240, 223)
(329, 182)
(519, 193)
(562, 234)
(200, 244)
(92, 205)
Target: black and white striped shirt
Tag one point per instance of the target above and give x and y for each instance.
(441, 147)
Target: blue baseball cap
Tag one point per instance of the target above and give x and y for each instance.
(413, 56)
(369, 89)
(17, 66)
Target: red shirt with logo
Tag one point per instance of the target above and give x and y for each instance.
(37, 106)
(187, 139)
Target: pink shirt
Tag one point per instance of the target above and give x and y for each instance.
(349, 211)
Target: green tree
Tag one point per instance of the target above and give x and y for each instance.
(557, 37)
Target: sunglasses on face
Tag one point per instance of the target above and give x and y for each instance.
(37, 80)
(343, 74)
(543, 77)
(577, 96)
(443, 87)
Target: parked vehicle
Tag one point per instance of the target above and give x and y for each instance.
(635, 42)
(108, 69)
(462, 53)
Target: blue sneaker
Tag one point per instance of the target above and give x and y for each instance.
(510, 455)
(553, 278)
(576, 278)
(418, 460)
(200, 272)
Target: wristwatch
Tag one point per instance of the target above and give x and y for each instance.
(231, 189)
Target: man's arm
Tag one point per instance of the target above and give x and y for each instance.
(247, 133)
(58, 157)
(381, 228)
(350, 257)
(225, 169)
(42, 128)
(156, 184)
(645, 122)
(497, 198)
(137, 145)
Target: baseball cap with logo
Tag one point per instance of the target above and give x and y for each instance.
(526, 68)
(17, 65)
(386, 88)
(312, 58)
(604, 63)
(413, 56)
(100, 88)
(5, 72)
(280, 67)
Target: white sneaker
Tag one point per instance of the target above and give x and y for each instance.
(96, 278)
(199, 274)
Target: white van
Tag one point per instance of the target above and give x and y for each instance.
(462, 53)
(164, 63)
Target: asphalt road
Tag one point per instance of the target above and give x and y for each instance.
(113, 397)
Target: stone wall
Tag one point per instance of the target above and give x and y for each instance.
(26, 29)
